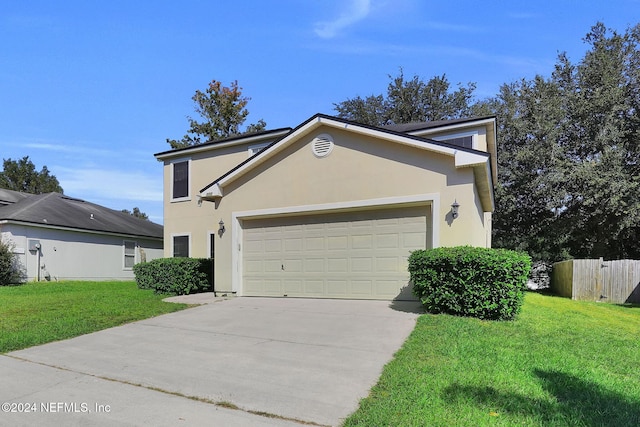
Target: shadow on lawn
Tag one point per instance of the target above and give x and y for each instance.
(577, 402)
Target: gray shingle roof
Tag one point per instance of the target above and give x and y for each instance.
(8, 197)
(55, 209)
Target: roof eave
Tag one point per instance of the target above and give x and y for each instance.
(243, 139)
(77, 229)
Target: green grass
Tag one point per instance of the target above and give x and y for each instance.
(37, 313)
(561, 363)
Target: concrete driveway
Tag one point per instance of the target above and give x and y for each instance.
(236, 362)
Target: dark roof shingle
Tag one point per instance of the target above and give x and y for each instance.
(55, 209)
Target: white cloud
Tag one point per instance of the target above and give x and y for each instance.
(92, 184)
(356, 10)
(65, 148)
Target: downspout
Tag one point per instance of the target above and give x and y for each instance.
(38, 263)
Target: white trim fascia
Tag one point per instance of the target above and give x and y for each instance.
(318, 121)
(399, 201)
(465, 159)
(455, 126)
(209, 147)
(78, 230)
(213, 192)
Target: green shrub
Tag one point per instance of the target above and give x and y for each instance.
(466, 281)
(177, 276)
(11, 272)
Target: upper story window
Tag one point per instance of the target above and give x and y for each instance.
(180, 180)
(464, 140)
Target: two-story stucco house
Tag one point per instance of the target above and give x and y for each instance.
(331, 208)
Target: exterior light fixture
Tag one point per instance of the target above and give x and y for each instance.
(221, 227)
(454, 209)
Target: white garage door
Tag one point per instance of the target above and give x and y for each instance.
(339, 255)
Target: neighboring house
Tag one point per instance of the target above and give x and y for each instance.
(57, 237)
(331, 208)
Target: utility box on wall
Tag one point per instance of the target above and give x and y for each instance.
(34, 245)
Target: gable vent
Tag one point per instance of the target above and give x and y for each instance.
(322, 145)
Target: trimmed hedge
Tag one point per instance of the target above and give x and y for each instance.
(467, 281)
(177, 276)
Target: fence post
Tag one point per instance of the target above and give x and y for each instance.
(598, 290)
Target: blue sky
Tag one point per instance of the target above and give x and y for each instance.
(92, 89)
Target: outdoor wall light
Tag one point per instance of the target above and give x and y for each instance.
(454, 209)
(221, 227)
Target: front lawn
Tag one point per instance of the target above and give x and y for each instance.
(561, 363)
(37, 313)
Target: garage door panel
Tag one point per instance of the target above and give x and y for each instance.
(293, 266)
(273, 287)
(293, 245)
(387, 241)
(335, 243)
(387, 287)
(314, 287)
(337, 265)
(293, 287)
(362, 288)
(314, 265)
(362, 265)
(333, 255)
(272, 265)
(362, 241)
(314, 243)
(254, 266)
(337, 288)
(413, 241)
(387, 264)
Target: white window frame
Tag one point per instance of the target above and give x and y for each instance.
(172, 165)
(124, 254)
(173, 236)
(473, 133)
(209, 248)
(255, 149)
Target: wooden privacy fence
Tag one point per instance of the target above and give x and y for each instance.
(597, 280)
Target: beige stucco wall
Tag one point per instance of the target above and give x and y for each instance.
(190, 217)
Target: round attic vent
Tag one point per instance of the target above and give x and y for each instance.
(322, 145)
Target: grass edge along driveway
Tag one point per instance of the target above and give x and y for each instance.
(561, 363)
(37, 313)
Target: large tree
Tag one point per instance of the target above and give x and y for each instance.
(224, 111)
(409, 101)
(21, 175)
(569, 154)
(136, 213)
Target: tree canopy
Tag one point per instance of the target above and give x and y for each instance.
(569, 154)
(224, 111)
(136, 213)
(409, 101)
(568, 147)
(21, 175)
